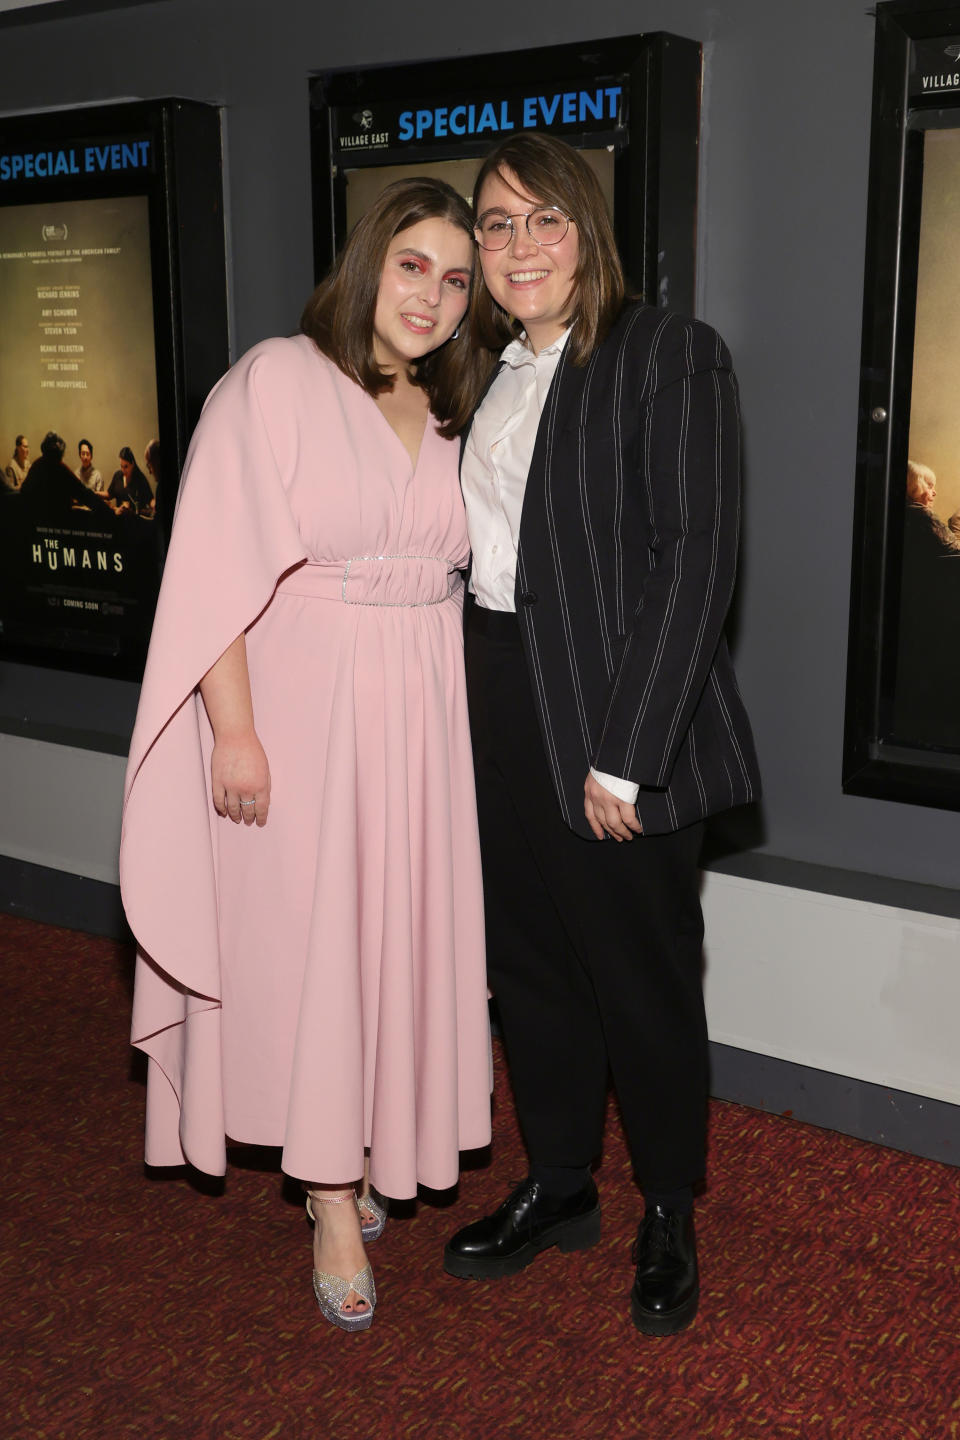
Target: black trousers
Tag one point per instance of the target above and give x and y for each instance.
(594, 948)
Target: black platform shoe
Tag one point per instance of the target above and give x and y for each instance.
(526, 1223)
(667, 1284)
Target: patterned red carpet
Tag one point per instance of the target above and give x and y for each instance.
(145, 1307)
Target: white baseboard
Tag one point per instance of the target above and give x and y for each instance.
(864, 990)
(61, 807)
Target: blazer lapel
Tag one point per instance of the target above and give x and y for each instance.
(562, 411)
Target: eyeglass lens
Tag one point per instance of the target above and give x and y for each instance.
(546, 227)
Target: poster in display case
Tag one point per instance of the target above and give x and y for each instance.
(112, 330)
(902, 737)
(631, 103)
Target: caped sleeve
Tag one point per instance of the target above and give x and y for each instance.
(234, 535)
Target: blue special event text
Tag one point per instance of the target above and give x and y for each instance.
(85, 160)
(572, 107)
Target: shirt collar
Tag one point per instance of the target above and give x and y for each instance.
(519, 353)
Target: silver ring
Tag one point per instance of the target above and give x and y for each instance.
(248, 802)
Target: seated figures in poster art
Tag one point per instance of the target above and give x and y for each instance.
(87, 471)
(16, 471)
(129, 490)
(927, 688)
(51, 490)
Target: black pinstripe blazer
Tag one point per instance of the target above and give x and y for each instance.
(627, 555)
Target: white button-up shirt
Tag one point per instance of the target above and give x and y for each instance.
(496, 463)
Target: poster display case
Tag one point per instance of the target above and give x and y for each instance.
(631, 103)
(113, 327)
(902, 737)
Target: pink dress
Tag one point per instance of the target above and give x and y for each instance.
(318, 983)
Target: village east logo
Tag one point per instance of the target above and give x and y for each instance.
(933, 83)
(366, 138)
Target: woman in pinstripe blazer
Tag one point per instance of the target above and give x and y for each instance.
(601, 477)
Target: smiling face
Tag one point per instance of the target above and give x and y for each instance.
(424, 288)
(535, 283)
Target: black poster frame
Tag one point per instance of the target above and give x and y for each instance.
(916, 90)
(183, 186)
(654, 135)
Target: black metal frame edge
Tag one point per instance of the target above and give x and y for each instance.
(873, 766)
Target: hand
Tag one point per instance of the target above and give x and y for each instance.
(239, 771)
(605, 813)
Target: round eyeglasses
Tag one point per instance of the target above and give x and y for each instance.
(547, 226)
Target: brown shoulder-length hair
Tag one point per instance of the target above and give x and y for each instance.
(339, 316)
(553, 173)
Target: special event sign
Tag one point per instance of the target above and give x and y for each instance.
(392, 131)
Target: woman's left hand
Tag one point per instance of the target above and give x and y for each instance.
(240, 779)
(606, 814)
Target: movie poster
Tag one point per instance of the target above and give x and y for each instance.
(926, 709)
(364, 185)
(80, 546)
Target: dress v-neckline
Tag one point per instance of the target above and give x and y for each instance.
(414, 464)
(428, 422)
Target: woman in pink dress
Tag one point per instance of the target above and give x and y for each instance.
(300, 862)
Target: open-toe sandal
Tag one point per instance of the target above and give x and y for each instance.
(332, 1290)
(374, 1203)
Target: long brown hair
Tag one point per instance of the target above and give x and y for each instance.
(339, 316)
(553, 173)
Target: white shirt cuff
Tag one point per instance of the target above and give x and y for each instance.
(623, 789)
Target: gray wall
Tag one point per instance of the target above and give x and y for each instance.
(785, 146)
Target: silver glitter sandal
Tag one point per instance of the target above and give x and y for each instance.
(374, 1202)
(332, 1290)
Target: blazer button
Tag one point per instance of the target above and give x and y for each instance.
(529, 597)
